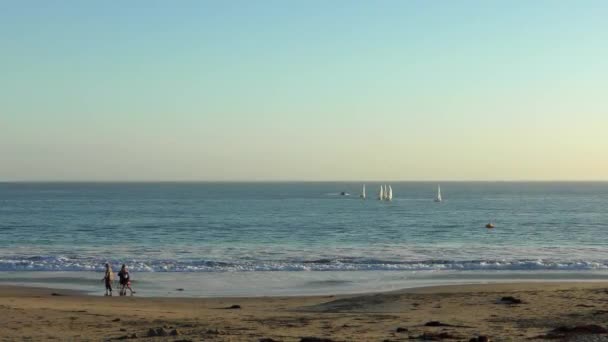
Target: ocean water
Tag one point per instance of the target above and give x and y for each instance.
(300, 238)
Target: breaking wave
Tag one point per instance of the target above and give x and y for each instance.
(64, 263)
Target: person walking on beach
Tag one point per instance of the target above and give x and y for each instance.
(108, 278)
(125, 281)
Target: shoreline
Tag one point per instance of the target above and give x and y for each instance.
(468, 310)
(285, 284)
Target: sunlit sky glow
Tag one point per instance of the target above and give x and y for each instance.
(304, 90)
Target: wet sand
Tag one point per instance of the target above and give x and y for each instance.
(464, 312)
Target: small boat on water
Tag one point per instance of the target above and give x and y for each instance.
(490, 225)
(438, 197)
(343, 193)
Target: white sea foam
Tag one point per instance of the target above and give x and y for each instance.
(64, 263)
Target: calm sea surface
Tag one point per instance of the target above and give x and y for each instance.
(292, 230)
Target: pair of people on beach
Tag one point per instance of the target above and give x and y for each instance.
(124, 280)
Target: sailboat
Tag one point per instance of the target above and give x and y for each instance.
(363, 192)
(381, 193)
(438, 198)
(389, 196)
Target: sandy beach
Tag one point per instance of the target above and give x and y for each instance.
(456, 313)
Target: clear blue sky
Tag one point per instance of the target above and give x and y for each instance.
(303, 90)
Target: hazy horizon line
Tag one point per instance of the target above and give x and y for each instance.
(319, 181)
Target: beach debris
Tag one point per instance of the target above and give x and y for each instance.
(441, 324)
(126, 337)
(563, 331)
(56, 294)
(268, 339)
(480, 338)
(157, 332)
(429, 336)
(401, 329)
(316, 339)
(215, 332)
(232, 307)
(174, 332)
(116, 320)
(580, 329)
(437, 324)
(510, 300)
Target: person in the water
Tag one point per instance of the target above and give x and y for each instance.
(108, 278)
(125, 281)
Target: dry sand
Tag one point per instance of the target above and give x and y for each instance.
(471, 310)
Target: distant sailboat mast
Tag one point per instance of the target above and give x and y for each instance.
(381, 193)
(363, 192)
(389, 197)
(438, 198)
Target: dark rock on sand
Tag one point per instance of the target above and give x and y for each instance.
(214, 332)
(510, 300)
(427, 336)
(126, 337)
(316, 339)
(231, 307)
(401, 329)
(267, 339)
(564, 331)
(116, 320)
(580, 329)
(437, 324)
(174, 332)
(480, 339)
(56, 294)
(157, 332)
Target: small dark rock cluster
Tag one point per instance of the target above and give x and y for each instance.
(437, 324)
(127, 337)
(315, 339)
(162, 332)
(510, 300)
(480, 339)
(429, 336)
(563, 331)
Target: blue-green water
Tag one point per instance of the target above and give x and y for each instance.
(293, 227)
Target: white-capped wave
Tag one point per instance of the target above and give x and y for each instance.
(63, 263)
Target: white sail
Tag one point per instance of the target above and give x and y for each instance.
(363, 192)
(438, 198)
(381, 193)
(390, 193)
